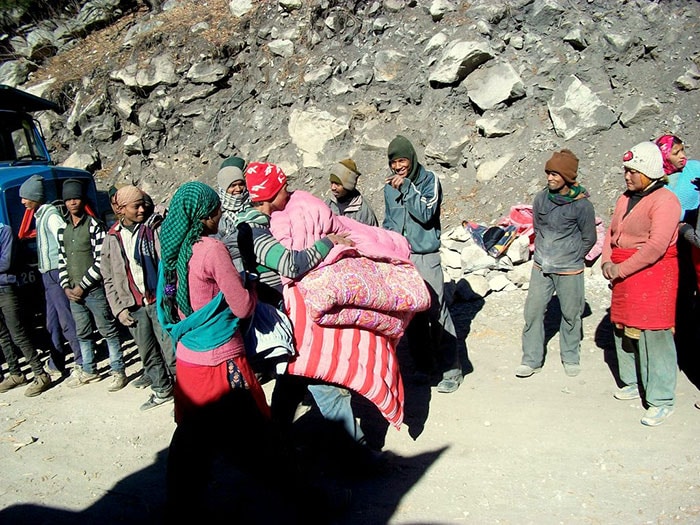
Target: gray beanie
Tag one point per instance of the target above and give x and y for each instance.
(645, 158)
(228, 175)
(33, 189)
(72, 189)
(345, 173)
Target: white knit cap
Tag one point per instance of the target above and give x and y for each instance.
(645, 158)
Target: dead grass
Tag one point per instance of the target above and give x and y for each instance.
(101, 52)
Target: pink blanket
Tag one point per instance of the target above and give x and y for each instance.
(359, 291)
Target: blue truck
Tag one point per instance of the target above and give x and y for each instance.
(23, 153)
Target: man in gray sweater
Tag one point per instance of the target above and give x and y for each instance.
(564, 222)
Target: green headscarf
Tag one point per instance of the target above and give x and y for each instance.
(401, 148)
(182, 227)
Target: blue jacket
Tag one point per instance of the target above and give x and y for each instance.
(564, 233)
(414, 211)
(6, 277)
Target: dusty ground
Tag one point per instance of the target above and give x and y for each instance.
(547, 449)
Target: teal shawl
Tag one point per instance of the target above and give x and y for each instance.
(203, 330)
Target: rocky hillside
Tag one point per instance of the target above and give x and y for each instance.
(159, 93)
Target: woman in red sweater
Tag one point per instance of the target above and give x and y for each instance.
(639, 258)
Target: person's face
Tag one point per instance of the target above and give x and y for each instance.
(74, 206)
(30, 204)
(211, 223)
(677, 156)
(236, 187)
(134, 212)
(555, 182)
(279, 203)
(276, 204)
(635, 180)
(113, 203)
(337, 190)
(401, 167)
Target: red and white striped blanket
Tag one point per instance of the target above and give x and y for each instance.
(361, 360)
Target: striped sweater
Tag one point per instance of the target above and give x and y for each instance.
(92, 276)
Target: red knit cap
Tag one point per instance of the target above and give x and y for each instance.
(565, 163)
(264, 181)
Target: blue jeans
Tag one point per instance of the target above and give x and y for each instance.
(59, 321)
(571, 294)
(155, 348)
(93, 308)
(652, 359)
(12, 332)
(335, 405)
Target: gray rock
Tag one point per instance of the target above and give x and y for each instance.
(290, 5)
(492, 125)
(318, 75)
(576, 39)
(14, 72)
(500, 282)
(207, 72)
(436, 42)
(439, 8)
(493, 84)
(311, 129)
(446, 149)
(282, 47)
(389, 64)
(575, 109)
(487, 171)
(545, 13)
(520, 274)
(156, 71)
(239, 8)
(472, 287)
(458, 60)
(637, 109)
(84, 161)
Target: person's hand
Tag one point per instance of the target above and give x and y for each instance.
(74, 294)
(341, 239)
(395, 181)
(611, 271)
(125, 318)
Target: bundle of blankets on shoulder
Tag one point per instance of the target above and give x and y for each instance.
(349, 312)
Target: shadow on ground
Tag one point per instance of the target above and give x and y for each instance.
(348, 485)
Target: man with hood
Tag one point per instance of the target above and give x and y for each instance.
(346, 200)
(564, 222)
(412, 198)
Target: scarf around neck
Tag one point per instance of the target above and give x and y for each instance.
(575, 193)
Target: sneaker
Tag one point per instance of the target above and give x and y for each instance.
(79, 377)
(41, 383)
(656, 415)
(155, 401)
(118, 382)
(627, 392)
(450, 382)
(572, 369)
(144, 381)
(697, 405)
(52, 372)
(12, 381)
(526, 371)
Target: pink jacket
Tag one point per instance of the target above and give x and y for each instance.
(651, 227)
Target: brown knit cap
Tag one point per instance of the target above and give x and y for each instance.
(565, 163)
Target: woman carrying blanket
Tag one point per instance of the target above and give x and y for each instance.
(639, 258)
